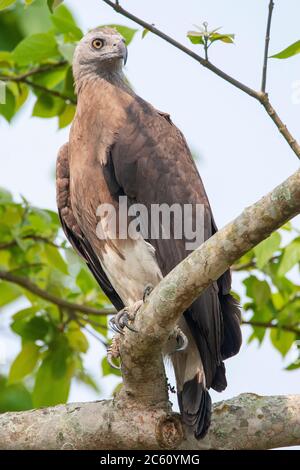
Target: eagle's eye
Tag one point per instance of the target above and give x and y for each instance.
(97, 43)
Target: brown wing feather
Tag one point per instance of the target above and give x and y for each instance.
(73, 232)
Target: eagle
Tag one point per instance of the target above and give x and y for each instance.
(120, 145)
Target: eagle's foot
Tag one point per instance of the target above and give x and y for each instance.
(122, 318)
(113, 351)
(180, 339)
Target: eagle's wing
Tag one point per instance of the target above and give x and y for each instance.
(73, 232)
(151, 163)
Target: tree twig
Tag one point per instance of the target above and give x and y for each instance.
(23, 78)
(12, 243)
(268, 325)
(43, 294)
(266, 52)
(258, 95)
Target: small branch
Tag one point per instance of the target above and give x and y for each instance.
(248, 421)
(267, 42)
(23, 78)
(258, 95)
(259, 324)
(12, 243)
(34, 289)
(184, 49)
(42, 69)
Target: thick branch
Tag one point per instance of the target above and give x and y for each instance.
(189, 279)
(266, 52)
(36, 290)
(245, 422)
(262, 97)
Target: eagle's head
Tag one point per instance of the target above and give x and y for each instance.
(101, 51)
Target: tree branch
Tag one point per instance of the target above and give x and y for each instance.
(12, 243)
(248, 421)
(266, 52)
(36, 290)
(258, 95)
(23, 78)
(290, 328)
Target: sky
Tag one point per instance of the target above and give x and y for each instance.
(242, 156)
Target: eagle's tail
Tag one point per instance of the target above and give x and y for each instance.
(195, 406)
(193, 397)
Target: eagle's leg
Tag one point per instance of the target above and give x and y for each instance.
(113, 351)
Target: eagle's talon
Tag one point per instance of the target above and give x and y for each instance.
(114, 326)
(147, 291)
(180, 338)
(123, 317)
(113, 352)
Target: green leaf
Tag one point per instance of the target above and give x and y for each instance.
(52, 4)
(50, 388)
(195, 37)
(6, 3)
(258, 290)
(53, 378)
(35, 48)
(24, 363)
(65, 23)
(107, 369)
(8, 108)
(5, 196)
(266, 249)
(55, 259)
(31, 330)
(48, 106)
(14, 398)
(67, 51)
(66, 117)
(294, 365)
(77, 339)
(125, 31)
(291, 256)
(290, 51)
(282, 340)
(8, 293)
(145, 32)
(227, 38)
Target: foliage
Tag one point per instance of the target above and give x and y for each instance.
(40, 38)
(53, 339)
(274, 298)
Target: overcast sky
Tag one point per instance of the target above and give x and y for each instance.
(242, 155)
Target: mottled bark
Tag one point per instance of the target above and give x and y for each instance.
(246, 422)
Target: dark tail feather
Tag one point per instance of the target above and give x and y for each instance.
(232, 339)
(219, 382)
(195, 407)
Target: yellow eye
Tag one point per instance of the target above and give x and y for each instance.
(97, 44)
